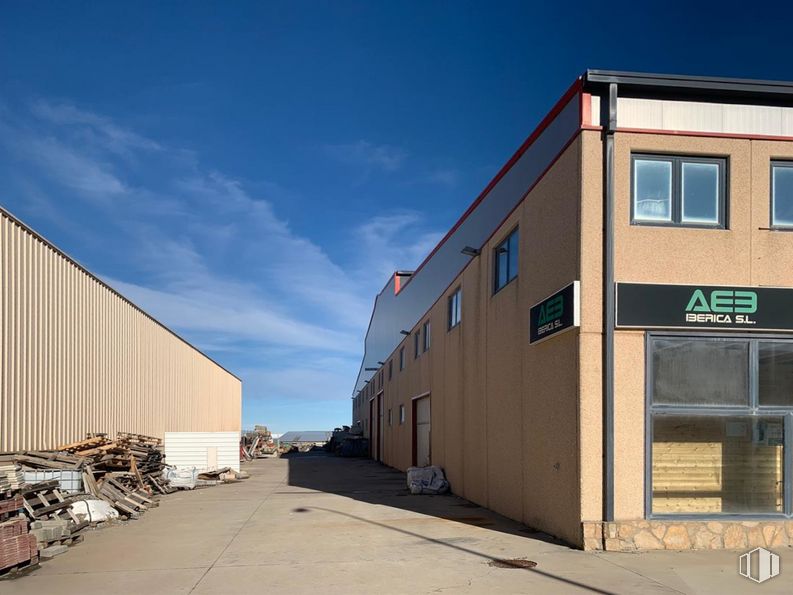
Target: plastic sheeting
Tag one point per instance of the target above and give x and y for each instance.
(181, 478)
(94, 511)
(427, 480)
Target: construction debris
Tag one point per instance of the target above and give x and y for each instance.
(18, 548)
(82, 484)
(257, 444)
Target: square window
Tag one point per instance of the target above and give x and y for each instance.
(782, 194)
(697, 372)
(700, 193)
(682, 191)
(775, 371)
(717, 465)
(506, 260)
(652, 193)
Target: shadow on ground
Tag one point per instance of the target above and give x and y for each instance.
(374, 483)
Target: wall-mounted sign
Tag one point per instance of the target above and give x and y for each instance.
(642, 305)
(555, 314)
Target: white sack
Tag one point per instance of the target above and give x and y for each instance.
(94, 511)
(181, 478)
(427, 480)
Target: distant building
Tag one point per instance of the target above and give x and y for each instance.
(605, 337)
(309, 437)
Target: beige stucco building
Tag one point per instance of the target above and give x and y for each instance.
(76, 357)
(602, 346)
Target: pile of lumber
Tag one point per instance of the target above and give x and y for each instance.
(11, 477)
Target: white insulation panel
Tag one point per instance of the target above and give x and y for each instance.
(203, 450)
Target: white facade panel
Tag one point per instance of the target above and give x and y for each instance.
(203, 450)
(694, 116)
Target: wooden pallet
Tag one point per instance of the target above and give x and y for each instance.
(44, 499)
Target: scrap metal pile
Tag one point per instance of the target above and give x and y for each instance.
(257, 444)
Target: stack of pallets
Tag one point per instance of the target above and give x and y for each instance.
(18, 547)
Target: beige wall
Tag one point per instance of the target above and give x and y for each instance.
(744, 254)
(76, 358)
(518, 428)
(505, 422)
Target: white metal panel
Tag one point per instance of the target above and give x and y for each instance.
(695, 116)
(195, 449)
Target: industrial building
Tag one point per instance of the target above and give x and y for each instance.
(602, 346)
(78, 357)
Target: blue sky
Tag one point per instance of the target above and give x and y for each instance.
(251, 173)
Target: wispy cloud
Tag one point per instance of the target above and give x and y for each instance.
(207, 254)
(368, 155)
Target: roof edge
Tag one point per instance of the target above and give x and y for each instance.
(17, 221)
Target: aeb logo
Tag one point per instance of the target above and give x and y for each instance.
(721, 306)
(551, 310)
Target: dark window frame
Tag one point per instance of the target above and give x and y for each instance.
(390, 369)
(752, 410)
(401, 415)
(455, 313)
(401, 358)
(426, 336)
(496, 251)
(776, 226)
(417, 344)
(677, 162)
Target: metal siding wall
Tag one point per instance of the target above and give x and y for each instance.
(77, 358)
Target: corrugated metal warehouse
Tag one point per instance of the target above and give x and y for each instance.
(79, 357)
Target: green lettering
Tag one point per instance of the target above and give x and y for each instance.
(698, 303)
(746, 302)
(721, 301)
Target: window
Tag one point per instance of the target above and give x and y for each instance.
(682, 191)
(416, 344)
(390, 369)
(389, 416)
(401, 414)
(426, 334)
(455, 307)
(401, 358)
(718, 409)
(382, 378)
(782, 194)
(506, 260)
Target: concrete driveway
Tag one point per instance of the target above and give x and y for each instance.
(312, 523)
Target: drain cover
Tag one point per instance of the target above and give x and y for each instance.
(512, 563)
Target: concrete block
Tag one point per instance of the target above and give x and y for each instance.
(52, 551)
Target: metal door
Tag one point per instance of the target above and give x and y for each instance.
(422, 429)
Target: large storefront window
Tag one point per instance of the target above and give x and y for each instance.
(717, 421)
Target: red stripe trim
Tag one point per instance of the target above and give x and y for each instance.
(467, 264)
(574, 89)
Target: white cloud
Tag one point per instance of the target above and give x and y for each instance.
(211, 258)
(366, 154)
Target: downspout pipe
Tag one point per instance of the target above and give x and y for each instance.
(609, 118)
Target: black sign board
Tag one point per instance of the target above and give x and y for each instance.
(704, 307)
(555, 314)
